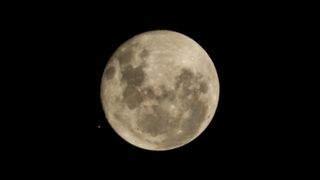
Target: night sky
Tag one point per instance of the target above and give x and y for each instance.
(57, 56)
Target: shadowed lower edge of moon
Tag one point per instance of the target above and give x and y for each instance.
(178, 130)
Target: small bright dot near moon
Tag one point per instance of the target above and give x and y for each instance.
(159, 90)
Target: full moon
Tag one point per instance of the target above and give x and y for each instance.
(159, 90)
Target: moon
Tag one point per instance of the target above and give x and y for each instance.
(159, 90)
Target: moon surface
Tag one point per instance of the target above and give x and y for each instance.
(159, 90)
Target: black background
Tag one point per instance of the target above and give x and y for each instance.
(56, 54)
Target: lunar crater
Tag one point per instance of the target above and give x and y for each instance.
(110, 72)
(144, 53)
